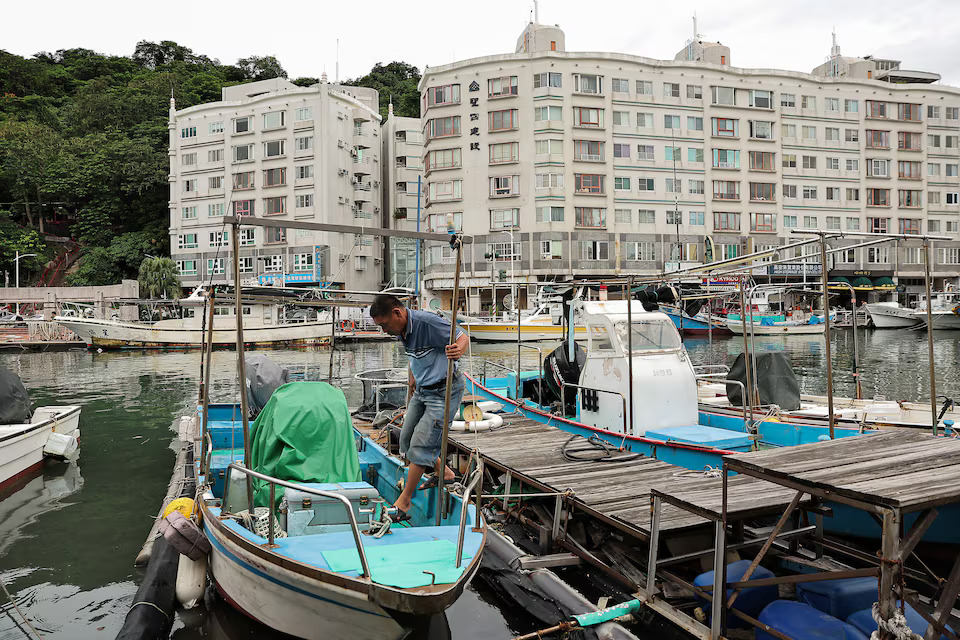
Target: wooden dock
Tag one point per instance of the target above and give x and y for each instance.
(614, 491)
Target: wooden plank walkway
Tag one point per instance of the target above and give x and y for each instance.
(615, 491)
(908, 470)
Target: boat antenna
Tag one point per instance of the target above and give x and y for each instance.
(676, 218)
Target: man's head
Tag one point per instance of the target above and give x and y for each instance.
(389, 313)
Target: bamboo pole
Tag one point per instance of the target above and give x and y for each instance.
(241, 365)
(933, 381)
(826, 330)
(208, 357)
(455, 240)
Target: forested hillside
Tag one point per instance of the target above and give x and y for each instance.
(83, 147)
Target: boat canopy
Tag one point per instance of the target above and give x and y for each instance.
(304, 434)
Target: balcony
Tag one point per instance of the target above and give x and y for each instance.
(362, 191)
(362, 166)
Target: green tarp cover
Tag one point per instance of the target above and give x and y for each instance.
(304, 434)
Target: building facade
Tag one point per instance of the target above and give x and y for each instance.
(606, 164)
(402, 156)
(273, 149)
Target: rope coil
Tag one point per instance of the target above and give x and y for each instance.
(896, 625)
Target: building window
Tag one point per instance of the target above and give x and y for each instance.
(589, 183)
(187, 267)
(674, 217)
(877, 168)
(726, 190)
(275, 177)
(907, 141)
(670, 90)
(953, 197)
(851, 106)
(853, 224)
(594, 250)
(584, 83)
(504, 152)
(696, 187)
(809, 162)
(763, 160)
(722, 95)
(763, 191)
(847, 256)
(590, 150)
(808, 102)
(215, 155)
(910, 198)
(275, 235)
(833, 223)
(188, 159)
(554, 112)
(671, 122)
(187, 241)
(696, 218)
(788, 130)
(852, 135)
(504, 219)
(910, 226)
(190, 186)
(443, 127)
(273, 264)
(503, 251)
(641, 251)
(788, 100)
(694, 123)
(549, 147)
(303, 114)
(275, 205)
(591, 217)
(504, 120)
(549, 214)
(243, 181)
(808, 132)
(789, 191)
(219, 238)
(645, 184)
(789, 222)
(445, 190)
(645, 120)
(551, 249)
(645, 152)
(303, 143)
(501, 87)
(547, 80)
(214, 183)
(215, 266)
(726, 221)
(761, 99)
(621, 118)
(726, 159)
(622, 216)
(621, 183)
(833, 193)
(878, 198)
(620, 85)
(853, 164)
(694, 91)
(188, 132)
(878, 255)
(443, 159)
(304, 200)
(274, 148)
(725, 127)
(215, 127)
(303, 171)
(504, 186)
(695, 154)
(273, 120)
(948, 255)
(763, 222)
(809, 222)
(833, 164)
(761, 130)
(831, 134)
(789, 161)
(549, 180)
(621, 150)
(644, 87)
(215, 210)
(445, 94)
(646, 216)
(673, 185)
(909, 112)
(831, 104)
(878, 225)
(809, 193)
(672, 153)
(878, 139)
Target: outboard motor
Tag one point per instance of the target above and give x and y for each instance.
(557, 369)
(651, 297)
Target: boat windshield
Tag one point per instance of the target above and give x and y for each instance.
(649, 335)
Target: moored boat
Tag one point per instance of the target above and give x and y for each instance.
(890, 315)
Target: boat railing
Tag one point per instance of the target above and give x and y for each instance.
(721, 377)
(498, 366)
(476, 477)
(273, 482)
(563, 400)
(704, 370)
(520, 345)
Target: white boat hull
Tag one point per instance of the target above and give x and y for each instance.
(109, 334)
(292, 603)
(941, 319)
(889, 317)
(21, 445)
(776, 330)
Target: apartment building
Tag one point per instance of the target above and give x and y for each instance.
(274, 149)
(402, 155)
(607, 164)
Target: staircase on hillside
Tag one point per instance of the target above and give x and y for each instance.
(56, 269)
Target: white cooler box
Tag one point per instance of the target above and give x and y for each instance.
(308, 513)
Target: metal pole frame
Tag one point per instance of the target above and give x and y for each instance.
(826, 331)
(630, 347)
(457, 243)
(208, 357)
(746, 347)
(241, 365)
(933, 381)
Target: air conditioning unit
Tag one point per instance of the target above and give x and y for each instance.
(341, 116)
(377, 261)
(343, 257)
(340, 143)
(376, 184)
(353, 153)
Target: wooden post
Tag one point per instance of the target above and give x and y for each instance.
(241, 365)
(630, 346)
(933, 381)
(826, 330)
(458, 246)
(656, 506)
(889, 568)
(748, 390)
(333, 342)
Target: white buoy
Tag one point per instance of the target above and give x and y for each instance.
(191, 581)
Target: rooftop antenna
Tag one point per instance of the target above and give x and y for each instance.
(536, 12)
(694, 25)
(336, 74)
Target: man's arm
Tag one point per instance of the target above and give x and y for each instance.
(411, 383)
(459, 347)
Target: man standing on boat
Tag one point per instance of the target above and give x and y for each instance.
(425, 338)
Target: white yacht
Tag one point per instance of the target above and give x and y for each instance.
(891, 315)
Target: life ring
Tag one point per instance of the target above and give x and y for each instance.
(347, 325)
(490, 421)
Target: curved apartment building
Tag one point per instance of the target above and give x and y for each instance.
(605, 164)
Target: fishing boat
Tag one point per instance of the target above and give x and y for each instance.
(543, 324)
(772, 326)
(264, 325)
(29, 438)
(700, 324)
(891, 315)
(334, 563)
(944, 312)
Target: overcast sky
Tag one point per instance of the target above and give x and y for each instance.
(302, 35)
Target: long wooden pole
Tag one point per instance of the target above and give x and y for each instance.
(441, 471)
(241, 365)
(933, 381)
(746, 349)
(630, 346)
(826, 329)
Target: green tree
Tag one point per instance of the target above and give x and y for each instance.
(158, 278)
(261, 67)
(13, 239)
(397, 80)
(27, 154)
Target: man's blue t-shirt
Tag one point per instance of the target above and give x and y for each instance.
(425, 341)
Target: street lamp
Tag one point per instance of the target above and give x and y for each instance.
(16, 261)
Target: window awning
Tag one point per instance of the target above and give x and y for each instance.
(884, 282)
(838, 283)
(862, 283)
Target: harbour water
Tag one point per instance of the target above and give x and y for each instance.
(68, 538)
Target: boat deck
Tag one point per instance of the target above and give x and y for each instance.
(615, 491)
